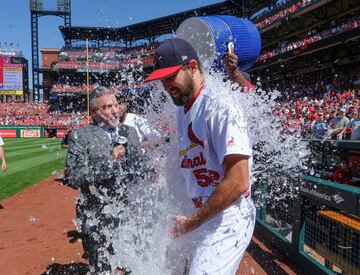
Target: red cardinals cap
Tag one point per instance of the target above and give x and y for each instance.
(170, 56)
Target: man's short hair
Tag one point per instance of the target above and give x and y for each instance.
(97, 92)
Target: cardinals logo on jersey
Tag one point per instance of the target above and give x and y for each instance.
(193, 138)
(195, 141)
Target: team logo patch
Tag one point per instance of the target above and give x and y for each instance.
(195, 141)
(158, 60)
(197, 202)
(230, 142)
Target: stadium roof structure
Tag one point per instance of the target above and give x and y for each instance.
(157, 27)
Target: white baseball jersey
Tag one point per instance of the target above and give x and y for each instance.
(141, 126)
(208, 131)
(1, 142)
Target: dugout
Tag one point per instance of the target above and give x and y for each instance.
(317, 223)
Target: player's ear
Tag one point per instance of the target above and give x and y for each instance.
(193, 65)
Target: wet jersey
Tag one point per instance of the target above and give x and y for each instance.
(208, 130)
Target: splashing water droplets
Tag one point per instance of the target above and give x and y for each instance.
(141, 241)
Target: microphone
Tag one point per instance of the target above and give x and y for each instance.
(120, 140)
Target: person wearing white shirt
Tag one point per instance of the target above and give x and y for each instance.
(141, 126)
(146, 135)
(2, 156)
(215, 159)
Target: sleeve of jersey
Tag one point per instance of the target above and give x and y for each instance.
(249, 86)
(229, 133)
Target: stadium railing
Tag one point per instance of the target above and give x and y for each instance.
(318, 226)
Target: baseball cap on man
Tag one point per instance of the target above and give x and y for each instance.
(170, 56)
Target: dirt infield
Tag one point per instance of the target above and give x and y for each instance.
(38, 236)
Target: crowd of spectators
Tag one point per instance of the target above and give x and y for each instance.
(280, 11)
(106, 58)
(104, 54)
(317, 107)
(82, 89)
(320, 109)
(302, 44)
(37, 114)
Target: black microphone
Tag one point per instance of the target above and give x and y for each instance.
(120, 140)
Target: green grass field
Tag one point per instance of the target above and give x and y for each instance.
(29, 161)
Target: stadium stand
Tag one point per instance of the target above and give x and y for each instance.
(279, 11)
(38, 114)
(302, 44)
(310, 55)
(66, 83)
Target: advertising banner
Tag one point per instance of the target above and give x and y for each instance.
(11, 92)
(331, 195)
(29, 133)
(60, 133)
(11, 76)
(22, 131)
(6, 133)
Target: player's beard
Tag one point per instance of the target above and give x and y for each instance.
(186, 94)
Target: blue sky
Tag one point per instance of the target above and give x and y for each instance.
(15, 18)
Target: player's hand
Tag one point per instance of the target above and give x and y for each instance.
(118, 152)
(3, 166)
(182, 225)
(230, 62)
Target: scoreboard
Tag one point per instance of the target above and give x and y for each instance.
(11, 76)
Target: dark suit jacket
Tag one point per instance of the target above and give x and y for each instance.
(89, 158)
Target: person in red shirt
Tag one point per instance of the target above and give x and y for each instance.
(343, 173)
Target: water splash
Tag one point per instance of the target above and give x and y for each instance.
(141, 241)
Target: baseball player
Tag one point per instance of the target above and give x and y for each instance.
(215, 159)
(2, 156)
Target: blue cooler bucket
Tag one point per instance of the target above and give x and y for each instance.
(210, 35)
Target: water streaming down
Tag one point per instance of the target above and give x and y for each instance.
(141, 241)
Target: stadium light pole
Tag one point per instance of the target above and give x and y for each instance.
(37, 10)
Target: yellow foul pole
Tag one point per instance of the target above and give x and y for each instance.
(87, 80)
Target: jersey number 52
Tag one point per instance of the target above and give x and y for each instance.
(205, 177)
